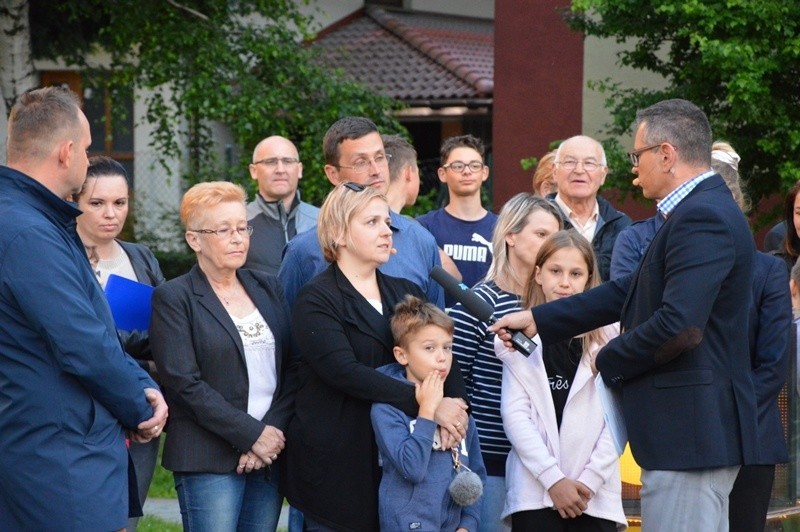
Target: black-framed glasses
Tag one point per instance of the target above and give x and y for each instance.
(272, 162)
(355, 187)
(225, 232)
(634, 155)
(572, 164)
(362, 165)
(458, 166)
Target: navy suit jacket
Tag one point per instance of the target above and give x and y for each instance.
(682, 361)
(200, 359)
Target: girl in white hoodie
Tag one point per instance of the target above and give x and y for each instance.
(563, 471)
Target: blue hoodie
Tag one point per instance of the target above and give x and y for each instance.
(413, 492)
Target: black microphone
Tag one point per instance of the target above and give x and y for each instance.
(477, 307)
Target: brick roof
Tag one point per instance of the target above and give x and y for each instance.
(419, 58)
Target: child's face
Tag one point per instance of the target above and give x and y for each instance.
(429, 349)
(563, 274)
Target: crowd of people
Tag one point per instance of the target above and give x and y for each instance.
(309, 355)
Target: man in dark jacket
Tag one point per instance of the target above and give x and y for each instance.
(580, 170)
(277, 214)
(67, 389)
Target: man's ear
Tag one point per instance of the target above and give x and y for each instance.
(400, 355)
(332, 174)
(252, 169)
(300, 171)
(442, 173)
(65, 153)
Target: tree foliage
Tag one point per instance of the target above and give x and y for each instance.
(738, 60)
(239, 63)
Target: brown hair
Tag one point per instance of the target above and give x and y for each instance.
(534, 295)
(544, 170)
(412, 314)
(40, 119)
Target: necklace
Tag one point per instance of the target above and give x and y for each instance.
(228, 296)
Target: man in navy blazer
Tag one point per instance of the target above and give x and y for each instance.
(67, 389)
(682, 361)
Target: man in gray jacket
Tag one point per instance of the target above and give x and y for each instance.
(277, 214)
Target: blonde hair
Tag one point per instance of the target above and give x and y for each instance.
(203, 196)
(725, 162)
(337, 211)
(512, 219)
(412, 314)
(544, 170)
(565, 239)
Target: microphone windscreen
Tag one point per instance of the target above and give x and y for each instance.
(474, 305)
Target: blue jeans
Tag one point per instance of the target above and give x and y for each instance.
(229, 502)
(492, 503)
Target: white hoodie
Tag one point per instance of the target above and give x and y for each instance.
(541, 455)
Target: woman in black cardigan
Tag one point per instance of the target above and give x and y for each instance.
(341, 325)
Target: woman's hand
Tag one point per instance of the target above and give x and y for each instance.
(451, 415)
(269, 445)
(248, 462)
(570, 497)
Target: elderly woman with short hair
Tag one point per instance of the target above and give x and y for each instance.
(221, 342)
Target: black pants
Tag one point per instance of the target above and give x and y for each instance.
(749, 498)
(547, 520)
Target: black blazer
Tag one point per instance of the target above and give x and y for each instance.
(332, 470)
(683, 357)
(200, 359)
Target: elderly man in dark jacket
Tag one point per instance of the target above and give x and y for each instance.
(580, 170)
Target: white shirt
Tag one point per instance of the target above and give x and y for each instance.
(588, 229)
(259, 354)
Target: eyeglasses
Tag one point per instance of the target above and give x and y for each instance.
(225, 232)
(634, 155)
(458, 166)
(355, 187)
(572, 164)
(362, 165)
(272, 162)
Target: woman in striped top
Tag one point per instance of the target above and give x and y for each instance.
(523, 224)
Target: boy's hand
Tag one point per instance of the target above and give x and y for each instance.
(570, 497)
(429, 394)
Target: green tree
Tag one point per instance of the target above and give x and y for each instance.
(739, 60)
(240, 63)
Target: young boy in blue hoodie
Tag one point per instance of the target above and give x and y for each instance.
(417, 472)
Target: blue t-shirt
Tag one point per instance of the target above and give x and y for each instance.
(415, 258)
(468, 243)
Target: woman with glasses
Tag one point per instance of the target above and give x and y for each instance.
(341, 325)
(104, 202)
(223, 349)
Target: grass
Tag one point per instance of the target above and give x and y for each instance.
(153, 524)
(163, 485)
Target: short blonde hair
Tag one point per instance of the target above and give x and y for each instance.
(338, 209)
(725, 161)
(203, 196)
(544, 170)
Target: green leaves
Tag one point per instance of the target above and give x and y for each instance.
(737, 59)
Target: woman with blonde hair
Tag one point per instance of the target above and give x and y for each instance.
(341, 325)
(221, 342)
(524, 222)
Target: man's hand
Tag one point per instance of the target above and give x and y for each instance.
(269, 445)
(522, 320)
(451, 415)
(570, 497)
(152, 428)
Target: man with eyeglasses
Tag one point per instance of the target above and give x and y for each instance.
(354, 152)
(463, 228)
(682, 361)
(580, 171)
(277, 214)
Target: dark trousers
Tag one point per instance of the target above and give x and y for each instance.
(547, 520)
(749, 498)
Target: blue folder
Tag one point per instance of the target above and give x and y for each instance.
(129, 302)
